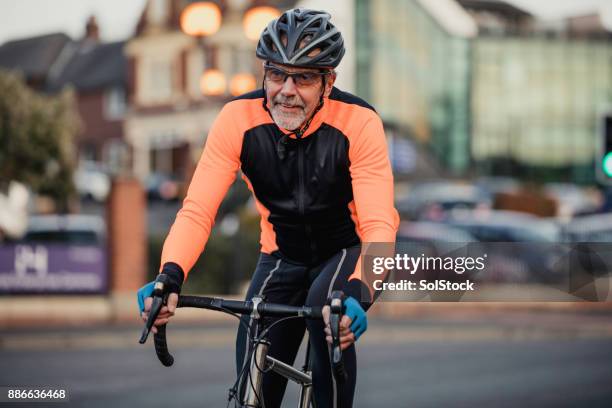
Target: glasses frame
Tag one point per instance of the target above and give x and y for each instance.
(293, 75)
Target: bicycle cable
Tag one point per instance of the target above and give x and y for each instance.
(260, 399)
(233, 391)
(267, 329)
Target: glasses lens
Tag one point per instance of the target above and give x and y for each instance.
(306, 79)
(275, 75)
(302, 79)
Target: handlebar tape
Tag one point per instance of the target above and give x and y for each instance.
(161, 347)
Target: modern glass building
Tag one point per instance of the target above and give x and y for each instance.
(486, 85)
(413, 64)
(536, 105)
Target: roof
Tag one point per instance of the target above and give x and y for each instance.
(33, 56)
(451, 17)
(497, 6)
(93, 66)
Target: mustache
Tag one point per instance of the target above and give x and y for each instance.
(293, 101)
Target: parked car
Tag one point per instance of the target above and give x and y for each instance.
(496, 184)
(432, 232)
(431, 239)
(162, 186)
(505, 226)
(574, 200)
(590, 239)
(523, 246)
(432, 200)
(66, 229)
(92, 181)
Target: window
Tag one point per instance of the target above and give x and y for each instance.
(157, 11)
(114, 103)
(157, 81)
(161, 78)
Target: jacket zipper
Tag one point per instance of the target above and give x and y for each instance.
(301, 187)
(302, 204)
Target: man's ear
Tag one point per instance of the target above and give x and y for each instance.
(329, 84)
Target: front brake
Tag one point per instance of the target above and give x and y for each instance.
(336, 311)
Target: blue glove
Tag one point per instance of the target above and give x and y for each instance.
(174, 283)
(359, 320)
(143, 293)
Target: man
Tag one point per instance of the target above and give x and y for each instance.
(316, 161)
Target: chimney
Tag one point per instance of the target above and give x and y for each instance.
(92, 31)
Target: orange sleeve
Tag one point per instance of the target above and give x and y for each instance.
(373, 183)
(214, 174)
(372, 178)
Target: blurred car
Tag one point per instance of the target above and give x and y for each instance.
(92, 181)
(590, 238)
(162, 186)
(431, 239)
(589, 228)
(14, 211)
(432, 232)
(66, 229)
(505, 226)
(574, 200)
(496, 184)
(432, 200)
(528, 247)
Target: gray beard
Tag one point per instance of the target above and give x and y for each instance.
(288, 121)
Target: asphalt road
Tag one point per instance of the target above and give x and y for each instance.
(502, 360)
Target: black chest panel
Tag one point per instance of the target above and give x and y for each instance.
(306, 186)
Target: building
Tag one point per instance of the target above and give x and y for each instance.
(172, 103)
(486, 85)
(36, 58)
(413, 64)
(538, 92)
(97, 73)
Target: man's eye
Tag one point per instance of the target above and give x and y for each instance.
(275, 75)
(306, 78)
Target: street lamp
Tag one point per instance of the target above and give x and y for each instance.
(242, 83)
(199, 20)
(202, 19)
(212, 82)
(256, 19)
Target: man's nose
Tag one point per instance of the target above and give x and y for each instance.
(289, 87)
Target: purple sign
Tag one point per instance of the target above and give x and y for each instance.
(53, 268)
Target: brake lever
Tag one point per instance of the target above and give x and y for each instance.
(159, 300)
(336, 311)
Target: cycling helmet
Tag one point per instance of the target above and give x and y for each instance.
(302, 38)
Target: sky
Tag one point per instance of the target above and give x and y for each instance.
(117, 18)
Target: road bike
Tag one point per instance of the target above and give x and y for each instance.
(246, 391)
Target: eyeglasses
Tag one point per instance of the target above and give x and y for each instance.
(301, 79)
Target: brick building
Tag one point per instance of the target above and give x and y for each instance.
(96, 71)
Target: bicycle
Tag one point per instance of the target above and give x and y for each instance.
(259, 362)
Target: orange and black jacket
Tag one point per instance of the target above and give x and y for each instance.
(330, 189)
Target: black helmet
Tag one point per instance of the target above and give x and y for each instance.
(292, 38)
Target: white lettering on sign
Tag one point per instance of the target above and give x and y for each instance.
(31, 258)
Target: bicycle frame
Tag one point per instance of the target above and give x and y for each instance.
(262, 362)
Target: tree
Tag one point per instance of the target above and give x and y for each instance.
(36, 138)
